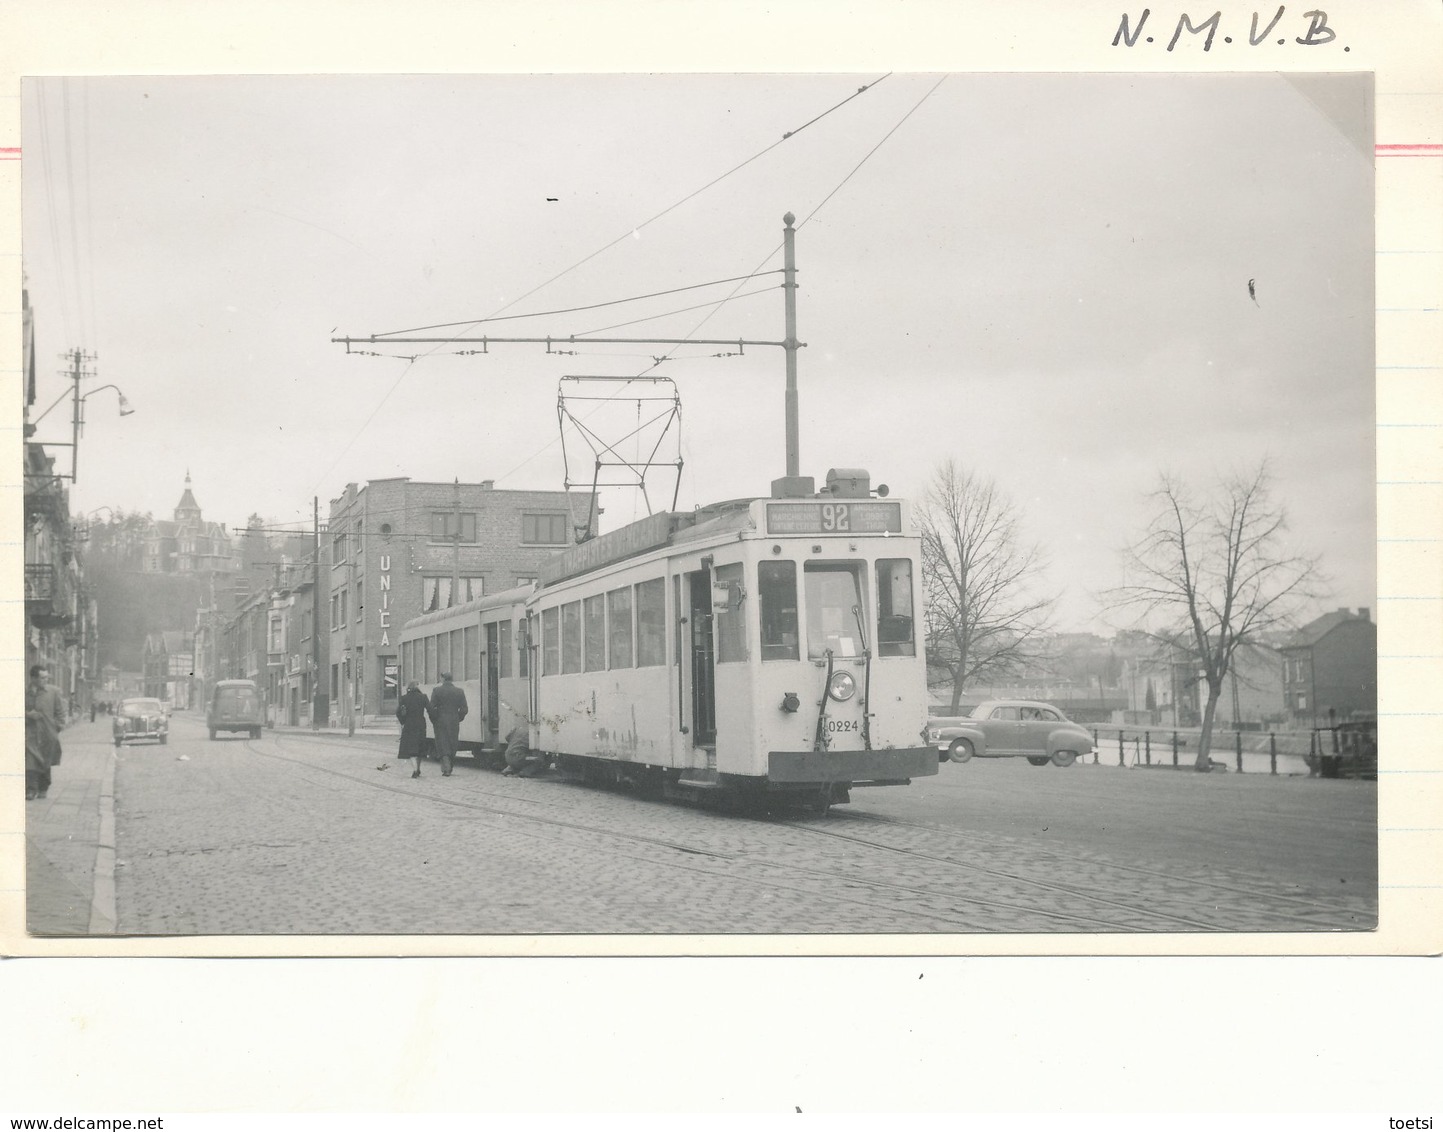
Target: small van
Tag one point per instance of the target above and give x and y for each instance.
(236, 705)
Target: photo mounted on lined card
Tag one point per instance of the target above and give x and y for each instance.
(902, 512)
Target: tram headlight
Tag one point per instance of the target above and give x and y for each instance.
(842, 686)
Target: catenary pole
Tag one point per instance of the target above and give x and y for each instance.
(789, 286)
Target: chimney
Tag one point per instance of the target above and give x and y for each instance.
(487, 485)
(1365, 613)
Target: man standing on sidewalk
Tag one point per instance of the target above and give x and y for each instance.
(448, 709)
(44, 720)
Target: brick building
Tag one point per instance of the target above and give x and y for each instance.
(395, 549)
(1330, 669)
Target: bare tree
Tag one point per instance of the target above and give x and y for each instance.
(1212, 575)
(983, 617)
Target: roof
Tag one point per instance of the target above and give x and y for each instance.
(1315, 630)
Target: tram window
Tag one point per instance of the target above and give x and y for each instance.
(551, 641)
(503, 646)
(571, 637)
(443, 653)
(594, 616)
(430, 660)
(777, 596)
(471, 660)
(458, 655)
(894, 608)
(408, 656)
(833, 593)
(651, 622)
(731, 625)
(523, 648)
(618, 611)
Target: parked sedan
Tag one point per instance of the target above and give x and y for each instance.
(1009, 728)
(140, 718)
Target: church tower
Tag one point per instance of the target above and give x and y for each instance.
(187, 510)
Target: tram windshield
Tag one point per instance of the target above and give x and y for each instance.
(836, 612)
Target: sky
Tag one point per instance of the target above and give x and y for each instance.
(1044, 277)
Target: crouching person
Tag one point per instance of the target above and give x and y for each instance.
(520, 758)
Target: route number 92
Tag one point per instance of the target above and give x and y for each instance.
(836, 517)
(841, 725)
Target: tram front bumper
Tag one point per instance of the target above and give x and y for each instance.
(896, 764)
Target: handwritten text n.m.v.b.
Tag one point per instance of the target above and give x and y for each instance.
(1260, 29)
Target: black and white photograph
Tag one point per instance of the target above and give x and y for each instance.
(901, 505)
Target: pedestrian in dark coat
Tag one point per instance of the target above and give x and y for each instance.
(448, 709)
(44, 720)
(411, 711)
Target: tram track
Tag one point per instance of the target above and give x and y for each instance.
(967, 912)
(1321, 905)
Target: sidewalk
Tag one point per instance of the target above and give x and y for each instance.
(67, 832)
(379, 727)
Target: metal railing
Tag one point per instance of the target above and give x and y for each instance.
(1253, 752)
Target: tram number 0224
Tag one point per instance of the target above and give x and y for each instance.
(836, 517)
(841, 725)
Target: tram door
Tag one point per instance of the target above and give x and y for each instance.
(492, 718)
(703, 669)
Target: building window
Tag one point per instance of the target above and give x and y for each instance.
(446, 524)
(274, 644)
(345, 596)
(525, 579)
(338, 550)
(544, 530)
(436, 593)
(335, 682)
(360, 602)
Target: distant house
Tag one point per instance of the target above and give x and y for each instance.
(187, 544)
(167, 662)
(1169, 690)
(1330, 669)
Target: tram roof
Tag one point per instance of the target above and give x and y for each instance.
(665, 528)
(486, 601)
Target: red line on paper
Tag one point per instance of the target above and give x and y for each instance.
(1411, 150)
(9, 153)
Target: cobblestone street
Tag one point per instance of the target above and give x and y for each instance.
(323, 834)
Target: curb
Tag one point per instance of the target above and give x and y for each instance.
(102, 898)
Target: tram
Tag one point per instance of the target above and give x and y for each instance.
(756, 647)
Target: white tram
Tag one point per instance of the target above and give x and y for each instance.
(758, 646)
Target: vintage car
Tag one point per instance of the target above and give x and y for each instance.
(1008, 728)
(236, 705)
(140, 718)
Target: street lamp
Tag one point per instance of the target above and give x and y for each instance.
(77, 414)
(79, 420)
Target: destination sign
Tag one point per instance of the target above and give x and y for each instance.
(853, 517)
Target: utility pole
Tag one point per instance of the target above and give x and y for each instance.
(789, 344)
(316, 613)
(351, 553)
(456, 543)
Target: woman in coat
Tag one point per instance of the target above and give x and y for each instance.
(411, 711)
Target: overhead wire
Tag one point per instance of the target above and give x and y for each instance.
(604, 248)
(571, 310)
